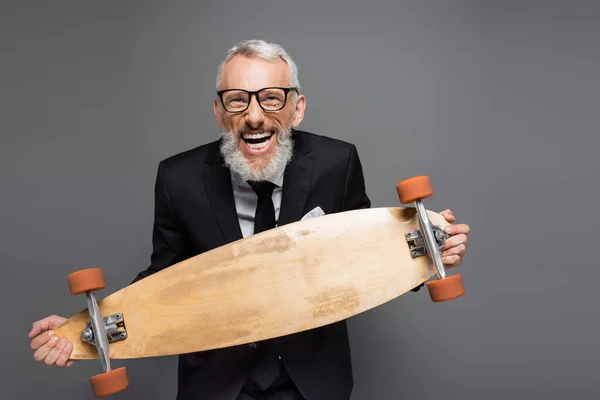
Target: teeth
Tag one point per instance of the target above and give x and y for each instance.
(257, 145)
(257, 135)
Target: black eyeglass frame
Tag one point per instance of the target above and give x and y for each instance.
(255, 94)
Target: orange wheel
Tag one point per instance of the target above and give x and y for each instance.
(110, 382)
(86, 280)
(411, 189)
(445, 289)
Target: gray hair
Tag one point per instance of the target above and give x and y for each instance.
(264, 50)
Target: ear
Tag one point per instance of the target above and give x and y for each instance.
(217, 113)
(299, 111)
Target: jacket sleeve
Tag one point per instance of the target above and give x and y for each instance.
(169, 240)
(355, 195)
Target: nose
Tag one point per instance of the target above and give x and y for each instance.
(254, 114)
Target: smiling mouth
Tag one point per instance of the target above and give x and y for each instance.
(257, 140)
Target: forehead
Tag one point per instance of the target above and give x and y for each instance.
(242, 72)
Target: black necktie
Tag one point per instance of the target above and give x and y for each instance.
(265, 211)
(269, 364)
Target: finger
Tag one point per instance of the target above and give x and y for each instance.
(41, 340)
(448, 216)
(44, 324)
(43, 351)
(454, 241)
(38, 327)
(63, 359)
(55, 352)
(68, 364)
(455, 251)
(451, 261)
(457, 228)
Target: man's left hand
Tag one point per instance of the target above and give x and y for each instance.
(453, 250)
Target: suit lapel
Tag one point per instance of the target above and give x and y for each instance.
(217, 182)
(296, 182)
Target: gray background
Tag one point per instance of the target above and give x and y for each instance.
(498, 101)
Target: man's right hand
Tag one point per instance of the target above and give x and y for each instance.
(48, 348)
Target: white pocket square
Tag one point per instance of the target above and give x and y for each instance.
(315, 212)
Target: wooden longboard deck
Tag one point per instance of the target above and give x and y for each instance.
(289, 279)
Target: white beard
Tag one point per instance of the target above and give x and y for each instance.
(235, 160)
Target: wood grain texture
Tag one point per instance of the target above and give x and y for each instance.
(289, 279)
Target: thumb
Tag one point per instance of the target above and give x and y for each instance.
(45, 324)
(448, 215)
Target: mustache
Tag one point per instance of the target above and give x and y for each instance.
(263, 128)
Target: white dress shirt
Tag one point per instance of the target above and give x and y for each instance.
(246, 200)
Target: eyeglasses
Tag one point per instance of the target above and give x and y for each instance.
(269, 99)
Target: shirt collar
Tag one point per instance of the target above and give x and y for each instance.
(238, 181)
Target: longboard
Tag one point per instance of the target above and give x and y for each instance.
(293, 278)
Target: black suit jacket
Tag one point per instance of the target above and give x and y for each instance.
(195, 212)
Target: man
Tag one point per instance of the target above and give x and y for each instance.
(262, 172)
